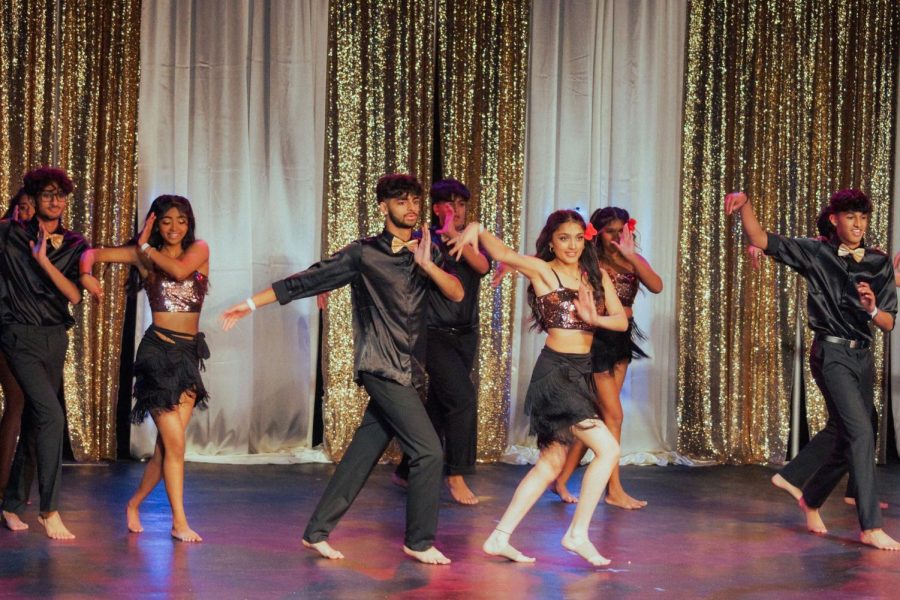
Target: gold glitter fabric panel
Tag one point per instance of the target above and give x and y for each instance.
(27, 89)
(788, 101)
(380, 69)
(483, 66)
(98, 71)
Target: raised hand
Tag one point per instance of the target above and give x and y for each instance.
(500, 271)
(144, 237)
(92, 285)
(422, 254)
(866, 296)
(625, 245)
(585, 306)
(230, 317)
(468, 236)
(734, 202)
(447, 215)
(39, 248)
(755, 254)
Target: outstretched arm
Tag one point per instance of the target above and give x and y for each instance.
(127, 255)
(531, 267)
(738, 201)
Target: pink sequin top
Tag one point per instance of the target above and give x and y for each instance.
(167, 294)
(557, 309)
(626, 285)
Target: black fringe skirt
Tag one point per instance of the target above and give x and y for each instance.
(560, 395)
(164, 370)
(612, 347)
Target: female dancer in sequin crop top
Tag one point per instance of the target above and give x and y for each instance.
(172, 267)
(560, 402)
(612, 351)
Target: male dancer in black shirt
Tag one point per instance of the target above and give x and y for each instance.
(389, 277)
(452, 342)
(849, 285)
(39, 264)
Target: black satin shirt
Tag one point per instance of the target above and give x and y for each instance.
(832, 300)
(390, 305)
(444, 311)
(29, 297)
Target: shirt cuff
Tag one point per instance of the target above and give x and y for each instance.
(281, 291)
(773, 244)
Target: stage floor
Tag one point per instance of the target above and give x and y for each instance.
(713, 532)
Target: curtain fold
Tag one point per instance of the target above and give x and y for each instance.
(482, 85)
(69, 99)
(789, 102)
(604, 128)
(232, 116)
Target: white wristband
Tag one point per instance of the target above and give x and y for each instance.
(145, 247)
(873, 313)
(251, 304)
(480, 228)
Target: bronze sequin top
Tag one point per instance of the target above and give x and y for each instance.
(167, 294)
(626, 285)
(557, 308)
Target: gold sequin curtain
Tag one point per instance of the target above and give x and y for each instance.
(788, 101)
(70, 75)
(380, 71)
(482, 78)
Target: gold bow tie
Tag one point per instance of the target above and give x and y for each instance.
(56, 240)
(397, 245)
(857, 254)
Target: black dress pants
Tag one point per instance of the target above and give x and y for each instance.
(846, 377)
(36, 356)
(393, 410)
(452, 402)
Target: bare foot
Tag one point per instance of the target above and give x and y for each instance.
(399, 481)
(54, 527)
(186, 534)
(585, 549)
(852, 502)
(497, 544)
(13, 522)
(780, 482)
(563, 492)
(323, 548)
(814, 520)
(625, 501)
(133, 517)
(877, 538)
(460, 491)
(432, 556)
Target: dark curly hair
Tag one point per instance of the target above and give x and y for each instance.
(849, 200)
(587, 261)
(397, 185)
(161, 205)
(36, 180)
(445, 189)
(823, 223)
(600, 219)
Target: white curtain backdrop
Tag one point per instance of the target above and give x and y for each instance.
(604, 128)
(232, 115)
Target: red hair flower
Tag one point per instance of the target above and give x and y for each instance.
(632, 224)
(589, 232)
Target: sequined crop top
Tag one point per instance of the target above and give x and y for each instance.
(167, 294)
(626, 285)
(557, 308)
